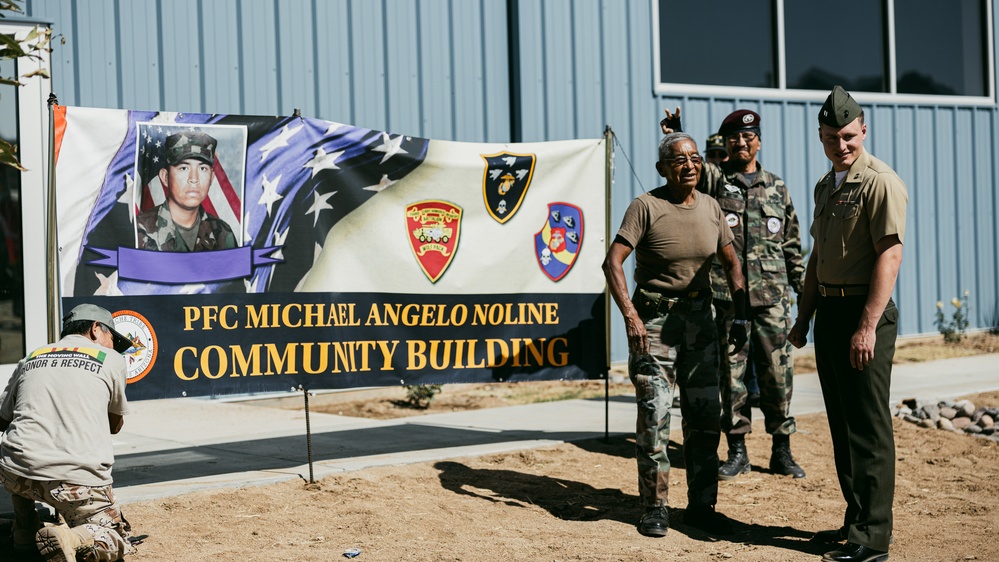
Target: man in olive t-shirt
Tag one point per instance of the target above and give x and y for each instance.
(675, 233)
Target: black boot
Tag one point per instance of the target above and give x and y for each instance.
(738, 458)
(781, 461)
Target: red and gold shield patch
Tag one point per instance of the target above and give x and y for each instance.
(433, 228)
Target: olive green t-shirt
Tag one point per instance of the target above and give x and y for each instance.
(850, 218)
(674, 244)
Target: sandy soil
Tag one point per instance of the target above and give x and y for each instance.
(578, 501)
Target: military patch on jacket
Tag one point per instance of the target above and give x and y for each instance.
(732, 220)
(433, 228)
(557, 244)
(505, 182)
(773, 225)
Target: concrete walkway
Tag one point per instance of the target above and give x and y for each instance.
(176, 446)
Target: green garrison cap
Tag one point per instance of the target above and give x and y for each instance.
(190, 144)
(840, 108)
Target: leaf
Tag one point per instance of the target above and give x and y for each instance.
(40, 72)
(7, 157)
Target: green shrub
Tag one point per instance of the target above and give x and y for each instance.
(419, 396)
(953, 330)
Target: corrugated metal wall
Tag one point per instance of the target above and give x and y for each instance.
(442, 69)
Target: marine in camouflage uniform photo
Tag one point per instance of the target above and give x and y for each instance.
(181, 224)
(759, 211)
(675, 232)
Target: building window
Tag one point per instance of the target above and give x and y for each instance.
(736, 49)
(782, 48)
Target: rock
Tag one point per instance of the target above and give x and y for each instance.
(961, 423)
(910, 403)
(977, 415)
(913, 419)
(944, 423)
(928, 423)
(973, 429)
(932, 412)
(986, 421)
(904, 411)
(988, 430)
(948, 412)
(965, 408)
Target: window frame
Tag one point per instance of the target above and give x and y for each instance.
(782, 92)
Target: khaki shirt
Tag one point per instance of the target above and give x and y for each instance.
(849, 219)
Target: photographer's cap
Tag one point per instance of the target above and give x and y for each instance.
(94, 313)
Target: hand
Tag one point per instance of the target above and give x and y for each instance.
(737, 338)
(671, 123)
(862, 348)
(638, 336)
(798, 336)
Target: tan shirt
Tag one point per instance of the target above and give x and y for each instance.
(852, 217)
(674, 244)
(58, 401)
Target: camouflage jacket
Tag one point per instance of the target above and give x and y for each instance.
(765, 227)
(157, 231)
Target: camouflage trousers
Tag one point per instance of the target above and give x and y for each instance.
(771, 356)
(93, 508)
(694, 337)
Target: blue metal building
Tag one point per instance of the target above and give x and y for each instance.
(529, 70)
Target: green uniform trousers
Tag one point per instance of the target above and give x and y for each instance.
(692, 333)
(859, 417)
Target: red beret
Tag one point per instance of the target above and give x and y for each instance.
(739, 120)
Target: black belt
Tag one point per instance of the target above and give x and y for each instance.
(842, 290)
(650, 304)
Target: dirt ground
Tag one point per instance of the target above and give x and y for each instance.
(578, 501)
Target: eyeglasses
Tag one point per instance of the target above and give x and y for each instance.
(747, 136)
(679, 161)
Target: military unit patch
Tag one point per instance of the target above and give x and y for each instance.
(505, 181)
(433, 227)
(557, 244)
(732, 220)
(773, 225)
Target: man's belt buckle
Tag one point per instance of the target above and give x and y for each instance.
(832, 291)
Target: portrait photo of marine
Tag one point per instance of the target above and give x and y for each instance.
(189, 188)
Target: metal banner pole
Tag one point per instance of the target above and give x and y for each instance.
(53, 300)
(608, 160)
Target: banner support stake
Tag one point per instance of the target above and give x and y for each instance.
(308, 433)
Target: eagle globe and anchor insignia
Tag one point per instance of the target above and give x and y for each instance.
(433, 229)
(505, 182)
(557, 244)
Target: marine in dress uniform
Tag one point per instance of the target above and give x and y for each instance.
(858, 229)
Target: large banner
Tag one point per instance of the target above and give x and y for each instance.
(250, 254)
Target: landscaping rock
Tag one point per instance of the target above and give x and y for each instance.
(932, 411)
(929, 424)
(973, 429)
(910, 403)
(944, 423)
(986, 421)
(948, 412)
(965, 408)
(904, 411)
(961, 423)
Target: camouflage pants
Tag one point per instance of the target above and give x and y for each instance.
(694, 337)
(771, 356)
(93, 508)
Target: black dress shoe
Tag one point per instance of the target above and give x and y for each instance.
(830, 535)
(654, 522)
(853, 552)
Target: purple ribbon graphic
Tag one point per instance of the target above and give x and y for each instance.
(183, 267)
